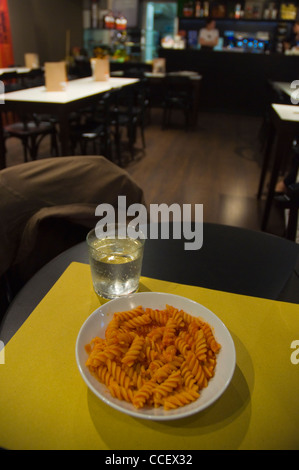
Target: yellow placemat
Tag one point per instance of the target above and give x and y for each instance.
(44, 403)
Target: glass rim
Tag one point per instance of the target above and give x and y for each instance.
(108, 234)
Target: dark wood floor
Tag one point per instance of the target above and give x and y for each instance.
(217, 165)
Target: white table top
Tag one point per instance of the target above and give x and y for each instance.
(14, 69)
(75, 90)
(287, 112)
(191, 75)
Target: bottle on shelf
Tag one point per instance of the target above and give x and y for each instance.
(188, 9)
(198, 9)
(120, 22)
(238, 11)
(272, 11)
(94, 14)
(206, 9)
(109, 21)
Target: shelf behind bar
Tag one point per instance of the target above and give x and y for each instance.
(237, 20)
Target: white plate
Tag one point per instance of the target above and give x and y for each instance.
(96, 324)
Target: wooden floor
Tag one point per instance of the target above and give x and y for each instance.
(217, 165)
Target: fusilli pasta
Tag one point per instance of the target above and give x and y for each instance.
(152, 357)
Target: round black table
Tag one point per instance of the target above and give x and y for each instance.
(231, 259)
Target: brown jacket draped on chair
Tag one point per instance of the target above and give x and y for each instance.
(48, 205)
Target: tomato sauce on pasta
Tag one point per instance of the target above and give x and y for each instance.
(153, 357)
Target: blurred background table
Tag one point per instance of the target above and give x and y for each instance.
(284, 128)
(78, 93)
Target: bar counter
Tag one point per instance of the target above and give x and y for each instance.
(234, 81)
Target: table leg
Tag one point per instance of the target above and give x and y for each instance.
(64, 133)
(266, 160)
(278, 157)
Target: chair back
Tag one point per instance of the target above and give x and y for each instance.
(11, 81)
(34, 78)
(178, 85)
(104, 108)
(130, 99)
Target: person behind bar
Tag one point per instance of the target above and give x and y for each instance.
(209, 36)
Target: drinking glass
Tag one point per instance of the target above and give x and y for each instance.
(115, 260)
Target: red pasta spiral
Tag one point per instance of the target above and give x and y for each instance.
(154, 357)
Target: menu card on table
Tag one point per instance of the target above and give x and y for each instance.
(159, 65)
(100, 69)
(55, 76)
(31, 60)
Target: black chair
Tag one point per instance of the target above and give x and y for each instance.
(128, 112)
(11, 81)
(178, 96)
(92, 126)
(31, 130)
(34, 78)
(137, 71)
